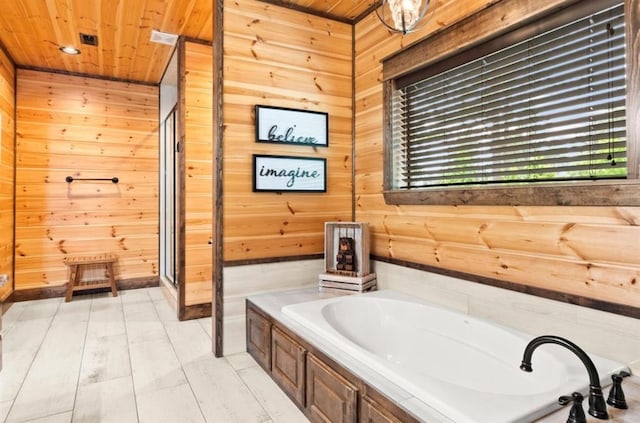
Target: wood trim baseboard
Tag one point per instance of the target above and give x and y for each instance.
(268, 260)
(621, 309)
(195, 311)
(60, 290)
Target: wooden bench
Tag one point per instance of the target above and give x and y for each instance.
(79, 264)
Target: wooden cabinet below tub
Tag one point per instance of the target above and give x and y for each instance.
(330, 397)
(259, 338)
(372, 412)
(288, 365)
(320, 387)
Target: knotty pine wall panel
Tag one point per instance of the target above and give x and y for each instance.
(7, 154)
(85, 128)
(279, 57)
(198, 150)
(587, 251)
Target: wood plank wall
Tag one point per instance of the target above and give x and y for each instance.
(198, 150)
(586, 251)
(89, 128)
(7, 154)
(279, 57)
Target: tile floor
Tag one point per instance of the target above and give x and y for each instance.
(126, 359)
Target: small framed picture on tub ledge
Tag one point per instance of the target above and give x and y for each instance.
(279, 125)
(288, 173)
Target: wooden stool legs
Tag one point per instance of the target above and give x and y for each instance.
(73, 276)
(77, 266)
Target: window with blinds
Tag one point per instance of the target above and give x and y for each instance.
(550, 106)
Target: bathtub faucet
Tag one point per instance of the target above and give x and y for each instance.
(597, 405)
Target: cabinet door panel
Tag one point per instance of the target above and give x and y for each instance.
(259, 338)
(288, 365)
(330, 397)
(372, 412)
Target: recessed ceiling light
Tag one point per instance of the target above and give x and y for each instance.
(69, 50)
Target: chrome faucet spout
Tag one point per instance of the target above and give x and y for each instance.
(597, 405)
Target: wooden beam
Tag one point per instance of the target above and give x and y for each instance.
(217, 311)
(310, 11)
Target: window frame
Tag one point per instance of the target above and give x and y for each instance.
(481, 28)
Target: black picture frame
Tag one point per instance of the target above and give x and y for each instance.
(281, 125)
(273, 173)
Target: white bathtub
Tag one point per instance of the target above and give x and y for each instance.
(463, 367)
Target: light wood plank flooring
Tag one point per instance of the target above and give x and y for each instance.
(126, 359)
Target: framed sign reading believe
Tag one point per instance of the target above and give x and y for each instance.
(286, 173)
(289, 126)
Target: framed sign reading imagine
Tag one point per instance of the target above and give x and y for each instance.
(286, 173)
(289, 126)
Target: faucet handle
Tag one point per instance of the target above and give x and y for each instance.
(616, 394)
(576, 415)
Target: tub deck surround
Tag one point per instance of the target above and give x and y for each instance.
(631, 386)
(272, 304)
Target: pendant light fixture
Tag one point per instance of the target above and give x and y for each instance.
(402, 15)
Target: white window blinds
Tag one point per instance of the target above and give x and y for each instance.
(549, 108)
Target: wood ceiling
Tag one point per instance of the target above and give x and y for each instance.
(31, 32)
